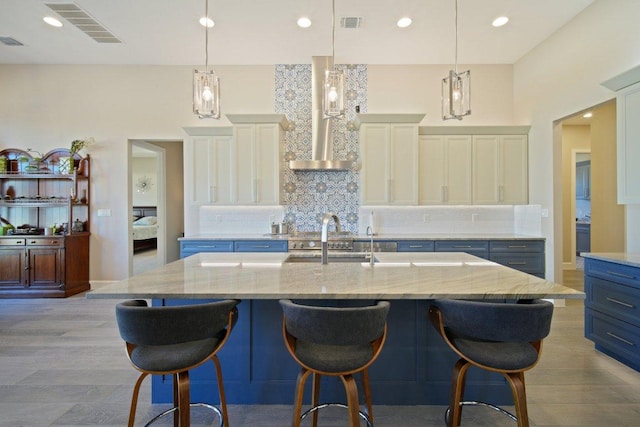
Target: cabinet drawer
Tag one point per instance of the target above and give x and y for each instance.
(516, 246)
(49, 242)
(619, 339)
(416, 245)
(528, 263)
(260, 246)
(7, 242)
(474, 247)
(616, 300)
(613, 272)
(193, 247)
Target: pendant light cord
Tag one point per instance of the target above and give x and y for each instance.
(456, 52)
(333, 35)
(206, 35)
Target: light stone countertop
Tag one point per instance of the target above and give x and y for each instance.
(427, 275)
(624, 258)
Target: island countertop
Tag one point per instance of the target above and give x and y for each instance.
(395, 276)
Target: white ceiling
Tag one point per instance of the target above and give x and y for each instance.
(265, 32)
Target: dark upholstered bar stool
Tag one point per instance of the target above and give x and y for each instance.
(495, 336)
(172, 341)
(334, 341)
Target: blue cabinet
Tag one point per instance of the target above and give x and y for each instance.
(612, 313)
(190, 247)
(416, 246)
(479, 248)
(523, 255)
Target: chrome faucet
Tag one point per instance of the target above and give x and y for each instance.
(324, 234)
(370, 233)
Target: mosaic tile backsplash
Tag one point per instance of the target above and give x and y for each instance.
(309, 195)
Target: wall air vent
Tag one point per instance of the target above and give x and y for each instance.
(83, 21)
(9, 41)
(350, 22)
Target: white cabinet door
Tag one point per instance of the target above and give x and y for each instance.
(389, 164)
(211, 169)
(445, 169)
(257, 164)
(500, 174)
(628, 145)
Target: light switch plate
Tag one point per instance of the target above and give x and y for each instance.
(104, 212)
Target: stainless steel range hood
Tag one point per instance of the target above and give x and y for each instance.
(321, 128)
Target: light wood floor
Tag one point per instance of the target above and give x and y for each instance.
(62, 363)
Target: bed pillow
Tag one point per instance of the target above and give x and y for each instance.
(147, 220)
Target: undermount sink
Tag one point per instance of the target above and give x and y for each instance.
(335, 257)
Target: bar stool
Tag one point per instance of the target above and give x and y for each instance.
(172, 341)
(504, 337)
(334, 341)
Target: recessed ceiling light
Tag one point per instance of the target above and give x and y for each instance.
(587, 115)
(500, 21)
(52, 21)
(304, 22)
(207, 22)
(404, 22)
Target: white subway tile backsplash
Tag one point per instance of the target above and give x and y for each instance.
(239, 219)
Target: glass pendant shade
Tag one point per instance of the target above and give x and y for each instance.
(333, 94)
(206, 94)
(456, 95)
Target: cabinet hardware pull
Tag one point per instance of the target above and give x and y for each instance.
(517, 262)
(462, 247)
(621, 339)
(260, 246)
(626, 276)
(516, 246)
(415, 246)
(615, 301)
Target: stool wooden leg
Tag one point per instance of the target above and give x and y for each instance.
(223, 398)
(176, 401)
(457, 392)
(184, 399)
(352, 400)
(516, 381)
(367, 393)
(134, 398)
(297, 411)
(317, 378)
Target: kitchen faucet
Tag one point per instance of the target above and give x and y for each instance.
(324, 235)
(370, 233)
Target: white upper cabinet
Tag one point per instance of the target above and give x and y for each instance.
(445, 169)
(389, 154)
(211, 169)
(500, 174)
(628, 144)
(238, 165)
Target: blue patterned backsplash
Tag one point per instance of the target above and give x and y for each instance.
(309, 195)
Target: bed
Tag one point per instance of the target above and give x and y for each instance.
(145, 228)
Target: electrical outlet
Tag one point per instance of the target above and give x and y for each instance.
(426, 218)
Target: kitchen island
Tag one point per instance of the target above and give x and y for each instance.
(414, 366)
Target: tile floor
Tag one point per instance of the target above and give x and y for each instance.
(62, 363)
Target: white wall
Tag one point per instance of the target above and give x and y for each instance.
(562, 76)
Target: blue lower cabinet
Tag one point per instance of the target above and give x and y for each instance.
(416, 246)
(190, 247)
(414, 367)
(260, 246)
(612, 309)
(479, 248)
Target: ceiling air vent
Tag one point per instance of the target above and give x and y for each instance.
(9, 41)
(350, 22)
(83, 21)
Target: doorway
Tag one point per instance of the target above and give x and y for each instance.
(589, 199)
(155, 202)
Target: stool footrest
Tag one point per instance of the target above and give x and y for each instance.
(175, 408)
(363, 415)
(476, 403)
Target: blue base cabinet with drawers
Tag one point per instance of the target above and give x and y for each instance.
(612, 316)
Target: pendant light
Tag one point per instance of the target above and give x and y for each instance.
(333, 88)
(206, 85)
(456, 89)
